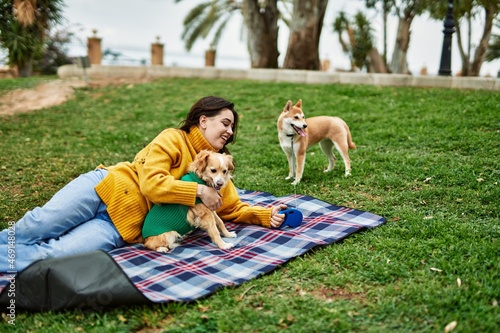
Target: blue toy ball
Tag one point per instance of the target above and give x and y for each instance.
(293, 218)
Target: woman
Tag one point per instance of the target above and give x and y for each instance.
(104, 209)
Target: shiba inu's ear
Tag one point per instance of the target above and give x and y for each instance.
(299, 103)
(288, 106)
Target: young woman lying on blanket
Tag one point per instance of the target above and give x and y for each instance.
(104, 209)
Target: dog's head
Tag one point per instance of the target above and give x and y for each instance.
(214, 168)
(292, 120)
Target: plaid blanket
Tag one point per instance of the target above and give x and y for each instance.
(198, 268)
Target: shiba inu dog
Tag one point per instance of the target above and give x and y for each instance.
(296, 134)
(165, 224)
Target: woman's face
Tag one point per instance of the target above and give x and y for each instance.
(217, 129)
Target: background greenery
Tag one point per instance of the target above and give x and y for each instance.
(427, 160)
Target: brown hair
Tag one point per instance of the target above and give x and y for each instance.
(209, 106)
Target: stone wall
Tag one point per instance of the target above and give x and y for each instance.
(282, 75)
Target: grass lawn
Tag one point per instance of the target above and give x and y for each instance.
(427, 159)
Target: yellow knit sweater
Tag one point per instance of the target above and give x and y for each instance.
(130, 189)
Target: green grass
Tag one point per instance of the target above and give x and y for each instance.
(427, 160)
(7, 84)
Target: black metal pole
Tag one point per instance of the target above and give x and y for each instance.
(449, 29)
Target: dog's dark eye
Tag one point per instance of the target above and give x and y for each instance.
(224, 172)
(296, 117)
(213, 170)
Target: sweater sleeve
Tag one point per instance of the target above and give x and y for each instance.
(161, 164)
(234, 210)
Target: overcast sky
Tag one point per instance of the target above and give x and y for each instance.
(130, 26)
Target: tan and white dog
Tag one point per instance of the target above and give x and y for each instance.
(296, 134)
(165, 225)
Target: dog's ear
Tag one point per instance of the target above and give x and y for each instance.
(299, 103)
(230, 163)
(201, 161)
(288, 106)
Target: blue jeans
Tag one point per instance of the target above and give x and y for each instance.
(74, 221)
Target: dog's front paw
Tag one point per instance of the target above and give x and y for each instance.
(230, 234)
(295, 182)
(289, 177)
(162, 249)
(226, 246)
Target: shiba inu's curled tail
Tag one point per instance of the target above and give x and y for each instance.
(350, 143)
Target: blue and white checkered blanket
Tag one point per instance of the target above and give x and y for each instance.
(197, 267)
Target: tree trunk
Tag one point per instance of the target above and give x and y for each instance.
(399, 63)
(386, 14)
(464, 56)
(376, 62)
(469, 45)
(25, 69)
(305, 32)
(475, 67)
(261, 22)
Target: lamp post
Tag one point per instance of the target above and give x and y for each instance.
(449, 29)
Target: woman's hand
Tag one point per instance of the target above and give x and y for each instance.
(277, 219)
(209, 196)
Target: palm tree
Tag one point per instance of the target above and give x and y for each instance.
(342, 25)
(364, 37)
(23, 27)
(212, 15)
(260, 18)
(359, 44)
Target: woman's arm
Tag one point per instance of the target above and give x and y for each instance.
(234, 210)
(161, 164)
